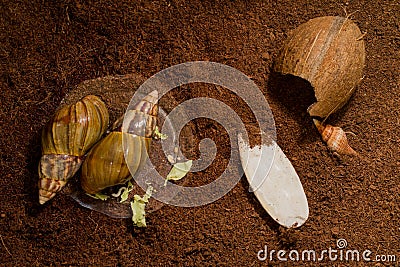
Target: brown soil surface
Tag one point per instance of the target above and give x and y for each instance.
(48, 48)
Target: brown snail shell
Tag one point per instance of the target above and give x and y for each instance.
(105, 164)
(329, 53)
(335, 138)
(66, 138)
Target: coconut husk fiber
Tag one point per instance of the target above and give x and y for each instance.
(328, 52)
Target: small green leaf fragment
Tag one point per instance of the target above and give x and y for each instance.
(99, 196)
(178, 171)
(158, 135)
(126, 191)
(138, 208)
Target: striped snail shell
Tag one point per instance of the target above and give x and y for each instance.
(66, 138)
(105, 164)
(335, 138)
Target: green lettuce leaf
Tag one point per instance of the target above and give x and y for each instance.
(99, 196)
(158, 135)
(126, 191)
(178, 171)
(138, 208)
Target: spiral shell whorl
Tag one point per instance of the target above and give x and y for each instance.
(148, 104)
(141, 120)
(74, 129)
(48, 189)
(105, 164)
(105, 160)
(67, 137)
(335, 138)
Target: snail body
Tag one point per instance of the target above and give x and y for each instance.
(66, 138)
(335, 138)
(124, 150)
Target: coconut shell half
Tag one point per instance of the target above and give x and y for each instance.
(329, 53)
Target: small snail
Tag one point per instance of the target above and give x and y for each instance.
(105, 164)
(335, 138)
(67, 137)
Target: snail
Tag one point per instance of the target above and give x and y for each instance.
(329, 53)
(66, 138)
(106, 164)
(335, 138)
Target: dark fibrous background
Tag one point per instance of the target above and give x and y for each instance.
(49, 47)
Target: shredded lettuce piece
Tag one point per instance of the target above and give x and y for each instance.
(138, 208)
(125, 193)
(178, 171)
(99, 196)
(158, 135)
